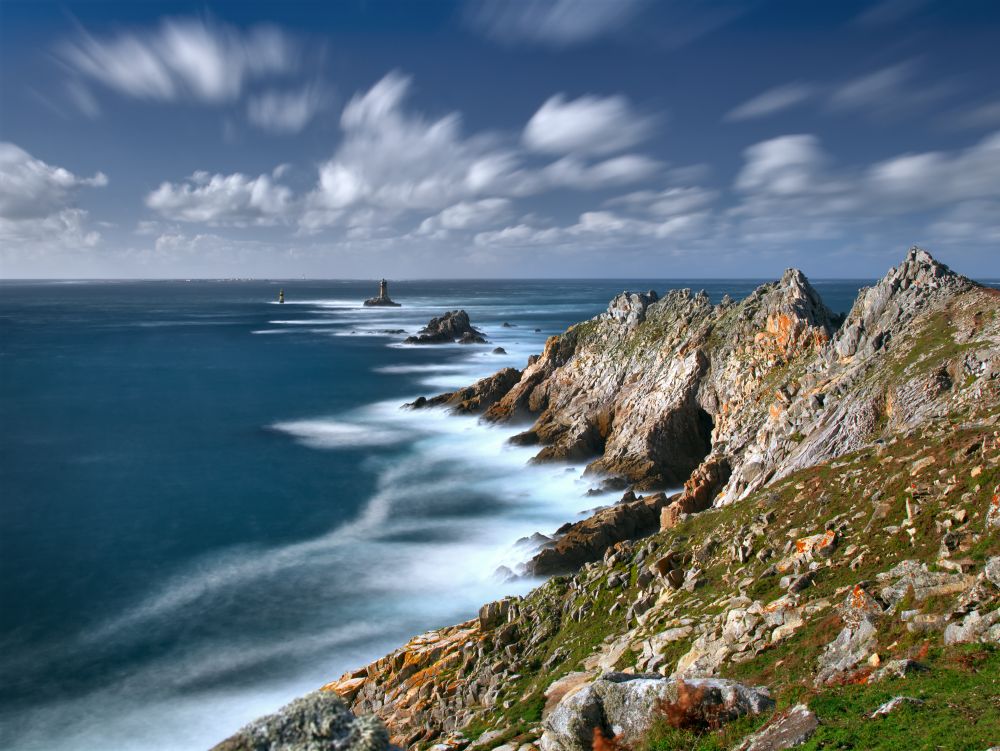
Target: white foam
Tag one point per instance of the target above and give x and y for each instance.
(332, 434)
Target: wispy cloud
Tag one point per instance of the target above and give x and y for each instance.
(587, 125)
(219, 200)
(287, 112)
(772, 101)
(185, 58)
(558, 23)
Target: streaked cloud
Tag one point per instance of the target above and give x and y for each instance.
(289, 111)
(772, 101)
(184, 58)
(587, 125)
(559, 23)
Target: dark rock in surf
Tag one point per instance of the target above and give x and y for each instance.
(453, 326)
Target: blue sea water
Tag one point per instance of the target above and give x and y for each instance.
(212, 503)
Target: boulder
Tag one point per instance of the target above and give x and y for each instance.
(791, 728)
(453, 326)
(624, 706)
(319, 721)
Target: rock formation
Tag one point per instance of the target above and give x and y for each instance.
(383, 297)
(453, 326)
(319, 721)
(837, 527)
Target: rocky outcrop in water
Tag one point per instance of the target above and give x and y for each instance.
(383, 299)
(453, 326)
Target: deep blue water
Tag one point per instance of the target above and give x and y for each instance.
(212, 503)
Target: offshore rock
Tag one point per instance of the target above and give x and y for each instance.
(453, 326)
(624, 706)
(383, 299)
(319, 721)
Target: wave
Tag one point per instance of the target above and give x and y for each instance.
(329, 433)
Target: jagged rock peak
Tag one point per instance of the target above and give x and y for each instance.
(630, 307)
(900, 295)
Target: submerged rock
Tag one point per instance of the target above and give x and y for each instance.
(319, 721)
(478, 397)
(453, 326)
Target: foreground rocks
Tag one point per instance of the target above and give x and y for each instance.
(622, 707)
(319, 721)
(453, 326)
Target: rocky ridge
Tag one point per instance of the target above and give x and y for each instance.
(862, 558)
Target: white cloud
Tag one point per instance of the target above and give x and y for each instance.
(392, 160)
(36, 201)
(588, 125)
(235, 200)
(665, 203)
(887, 12)
(554, 22)
(939, 178)
(786, 165)
(772, 101)
(466, 215)
(889, 92)
(182, 59)
(287, 111)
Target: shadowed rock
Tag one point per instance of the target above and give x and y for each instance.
(453, 326)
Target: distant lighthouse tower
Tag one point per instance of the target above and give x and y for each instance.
(383, 296)
(281, 295)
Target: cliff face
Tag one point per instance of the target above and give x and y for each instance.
(862, 559)
(653, 387)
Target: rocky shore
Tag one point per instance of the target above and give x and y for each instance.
(829, 573)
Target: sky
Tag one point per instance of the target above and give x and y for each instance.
(485, 139)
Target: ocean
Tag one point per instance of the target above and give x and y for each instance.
(212, 503)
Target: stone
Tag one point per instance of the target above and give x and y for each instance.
(624, 706)
(453, 326)
(974, 628)
(893, 704)
(789, 729)
(499, 351)
(319, 721)
(895, 669)
(851, 647)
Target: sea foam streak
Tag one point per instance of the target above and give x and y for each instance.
(254, 626)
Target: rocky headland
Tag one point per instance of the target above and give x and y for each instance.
(453, 326)
(827, 574)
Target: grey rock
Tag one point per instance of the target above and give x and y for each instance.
(453, 326)
(851, 646)
(791, 728)
(624, 706)
(893, 704)
(319, 721)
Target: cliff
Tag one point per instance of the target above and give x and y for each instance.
(841, 583)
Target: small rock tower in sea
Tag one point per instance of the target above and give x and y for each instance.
(281, 295)
(383, 296)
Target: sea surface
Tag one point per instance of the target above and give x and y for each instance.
(211, 503)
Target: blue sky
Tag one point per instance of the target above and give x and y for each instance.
(497, 139)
